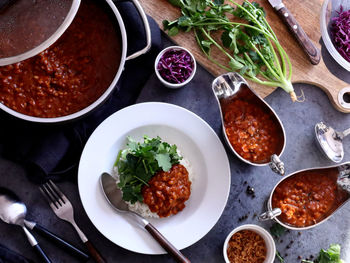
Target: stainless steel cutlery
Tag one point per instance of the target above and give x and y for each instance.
(63, 209)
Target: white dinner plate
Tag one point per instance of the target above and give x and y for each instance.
(197, 142)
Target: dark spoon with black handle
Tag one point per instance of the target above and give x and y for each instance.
(13, 203)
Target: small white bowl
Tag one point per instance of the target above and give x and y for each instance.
(270, 243)
(174, 85)
(329, 10)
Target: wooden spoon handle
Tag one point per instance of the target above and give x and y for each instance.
(95, 255)
(309, 48)
(178, 256)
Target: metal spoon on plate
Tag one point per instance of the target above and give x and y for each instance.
(114, 197)
(13, 211)
(331, 141)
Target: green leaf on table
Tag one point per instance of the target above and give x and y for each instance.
(184, 21)
(175, 3)
(218, 2)
(331, 255)
(235, 65)
(277, 230)
(173, 31)
(229, 39)
(279, 257)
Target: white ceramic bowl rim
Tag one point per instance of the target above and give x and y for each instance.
(175, 85)
(327, 40)
(270, 243)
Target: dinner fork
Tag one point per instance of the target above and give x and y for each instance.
(63, 209)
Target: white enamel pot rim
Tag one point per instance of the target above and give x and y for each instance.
(111, 87)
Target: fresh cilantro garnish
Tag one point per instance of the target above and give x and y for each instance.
(277, 230)
(332, 255)
(279, 257)
(139, 162)
(249, 44)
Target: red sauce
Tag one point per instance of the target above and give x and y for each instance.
(252, 131)
(167, 192)
(69, 75)
(308, 197)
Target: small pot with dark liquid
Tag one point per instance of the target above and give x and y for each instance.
(251, 127)
(309, 197)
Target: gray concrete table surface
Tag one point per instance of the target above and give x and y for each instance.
(301, 152)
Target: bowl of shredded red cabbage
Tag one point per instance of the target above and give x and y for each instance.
(175, 66)
(335, 29)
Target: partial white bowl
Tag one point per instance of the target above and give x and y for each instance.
(329, 10)
(174, 85)
(270, 243)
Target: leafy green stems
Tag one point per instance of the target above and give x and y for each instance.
(251, 48)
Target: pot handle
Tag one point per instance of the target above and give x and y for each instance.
(147, 31)
(277, 165)
(269, 215)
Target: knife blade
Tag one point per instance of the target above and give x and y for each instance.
(304, 41)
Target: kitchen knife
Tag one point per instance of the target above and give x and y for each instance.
(309, 48)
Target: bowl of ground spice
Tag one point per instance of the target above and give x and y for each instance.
(249, 244)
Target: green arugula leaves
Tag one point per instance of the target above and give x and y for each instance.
(139, 162)
(251, 48)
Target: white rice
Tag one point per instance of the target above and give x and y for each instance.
(142, 208)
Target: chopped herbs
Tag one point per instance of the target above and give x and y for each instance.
(251, 48)
(139, 162)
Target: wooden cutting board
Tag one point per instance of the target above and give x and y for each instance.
(307, 14)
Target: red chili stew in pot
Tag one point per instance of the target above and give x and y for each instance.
(72, 73)
(308, 197)
(252, 132)
(167, 192)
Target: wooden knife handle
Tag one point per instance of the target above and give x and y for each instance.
(178, 256)
(309, 48)
(95, 255)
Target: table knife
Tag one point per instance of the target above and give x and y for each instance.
(309, 48)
